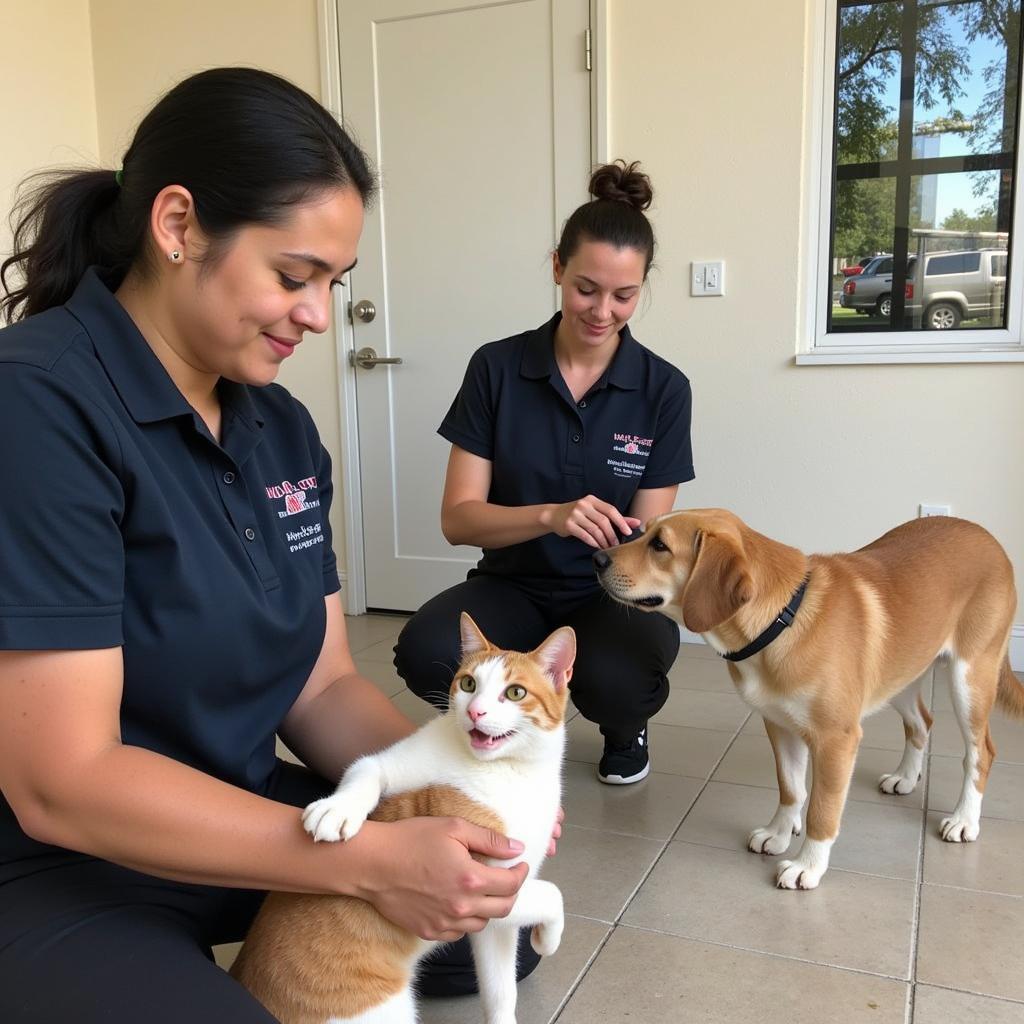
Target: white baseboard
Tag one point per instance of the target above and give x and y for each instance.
(1016, 644)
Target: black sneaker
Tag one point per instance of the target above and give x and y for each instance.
(623, 763)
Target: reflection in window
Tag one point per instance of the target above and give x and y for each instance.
(925, 140)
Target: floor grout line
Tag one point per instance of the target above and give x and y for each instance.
(771, 956)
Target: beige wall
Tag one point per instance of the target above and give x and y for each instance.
(141, 50)
(710, 98)
(50, 110)
(826, 458)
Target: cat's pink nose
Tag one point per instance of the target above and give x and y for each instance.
(475, 713)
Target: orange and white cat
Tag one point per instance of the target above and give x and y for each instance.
(495, 759)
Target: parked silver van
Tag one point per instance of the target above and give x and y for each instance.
(944, 288)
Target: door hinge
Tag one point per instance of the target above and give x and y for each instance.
(586, 38)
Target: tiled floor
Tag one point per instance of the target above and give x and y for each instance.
(671, 920)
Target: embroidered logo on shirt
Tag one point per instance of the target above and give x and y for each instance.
(632, 445)
(296, 496)
(629, 444)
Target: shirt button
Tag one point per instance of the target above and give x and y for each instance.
(576, 438)
(250, 533)
(583, 403)
(229, 477)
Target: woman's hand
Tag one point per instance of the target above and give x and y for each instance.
(590, 520)
(420, 874)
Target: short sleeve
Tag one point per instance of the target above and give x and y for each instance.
(469, 422)
(671, 459)
(325, 492)
(61, 548)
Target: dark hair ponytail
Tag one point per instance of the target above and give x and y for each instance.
(615, 215)
(245, 143)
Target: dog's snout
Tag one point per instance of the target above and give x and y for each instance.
(601, 561)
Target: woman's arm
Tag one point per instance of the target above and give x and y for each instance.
(72, 782)
(653, 501)
(467, 517)
(340, 715)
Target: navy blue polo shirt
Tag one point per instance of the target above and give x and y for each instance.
(124, 523)
(630, 431)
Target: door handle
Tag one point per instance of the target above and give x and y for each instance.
(367, 358)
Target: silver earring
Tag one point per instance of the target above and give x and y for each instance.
(174, 256)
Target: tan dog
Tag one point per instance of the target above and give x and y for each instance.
(869, 624)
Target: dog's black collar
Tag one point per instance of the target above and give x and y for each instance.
(781, 622)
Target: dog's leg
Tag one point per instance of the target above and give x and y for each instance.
(832, 756)
(791, 769)
(973, 690)
(916, 724)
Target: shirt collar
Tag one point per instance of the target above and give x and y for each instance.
(538, 360)
(139, 377)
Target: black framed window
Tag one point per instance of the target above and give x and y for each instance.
(925, 136)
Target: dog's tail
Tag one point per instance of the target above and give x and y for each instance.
(1010, 695)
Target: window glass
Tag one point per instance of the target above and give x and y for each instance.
(923, 158)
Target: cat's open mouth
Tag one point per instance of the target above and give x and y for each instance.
(482, 741)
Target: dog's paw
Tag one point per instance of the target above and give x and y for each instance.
(795, 874)
(956, 829)
(546, 938)
(898, 785)
(764, 840)
(335, 817)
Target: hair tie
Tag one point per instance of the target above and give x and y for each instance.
(119, 177)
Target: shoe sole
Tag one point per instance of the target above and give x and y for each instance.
(618, 780)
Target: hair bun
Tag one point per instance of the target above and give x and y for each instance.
(623, 182)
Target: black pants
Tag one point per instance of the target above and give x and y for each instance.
(623, 655)
(92, 942)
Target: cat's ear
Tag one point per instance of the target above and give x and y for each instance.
(556, 656)
(472, 639)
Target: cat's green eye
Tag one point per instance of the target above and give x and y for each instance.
(467, 684)
(515, 692)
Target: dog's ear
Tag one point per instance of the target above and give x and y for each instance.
(719, 584)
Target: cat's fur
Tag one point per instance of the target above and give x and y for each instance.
(314, 959)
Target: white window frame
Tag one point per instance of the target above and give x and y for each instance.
(818, 346)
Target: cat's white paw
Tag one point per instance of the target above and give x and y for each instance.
(959, 829)
(764, 840)
(895, 784)
(339, 816)
(546, 938)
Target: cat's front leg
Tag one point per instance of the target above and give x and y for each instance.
(539, 903)
(494, 959)
(341, 815)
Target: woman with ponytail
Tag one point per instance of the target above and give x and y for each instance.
(169, 599)
(564, 440)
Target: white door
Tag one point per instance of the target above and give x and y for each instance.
(477, 116)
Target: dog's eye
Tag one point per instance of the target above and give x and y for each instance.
(467, 684)
(515, 692)
(658, 544)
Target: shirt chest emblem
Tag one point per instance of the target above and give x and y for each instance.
(631, 444)
(296, 497)
(628, 454)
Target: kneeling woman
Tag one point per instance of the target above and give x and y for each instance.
(564, 440)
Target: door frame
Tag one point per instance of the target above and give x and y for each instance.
(347, 447)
